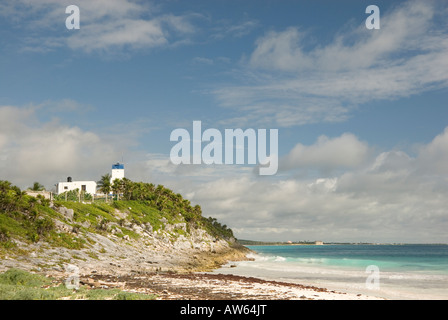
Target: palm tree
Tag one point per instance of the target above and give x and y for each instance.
(117, 187)
(37, 187)
(104, 184)
(128, 188)
(4, 186)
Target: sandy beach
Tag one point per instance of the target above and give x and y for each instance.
(186, 275)
(207, 286)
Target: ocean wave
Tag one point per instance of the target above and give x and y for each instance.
(343, 267)
(399, 276)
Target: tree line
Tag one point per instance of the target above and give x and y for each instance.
(14, 201)
(162, 198)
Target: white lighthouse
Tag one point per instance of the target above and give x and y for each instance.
(117, 172)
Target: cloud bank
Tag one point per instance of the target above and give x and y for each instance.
(50, 151)
(287, 83)
(387, 196)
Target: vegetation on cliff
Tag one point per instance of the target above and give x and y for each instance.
(142, 228)
(16, 284)
(32, 219)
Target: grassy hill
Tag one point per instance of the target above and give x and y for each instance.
(148, 229)
(142, 206)
(30, 218)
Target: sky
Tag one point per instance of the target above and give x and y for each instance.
(361, 113)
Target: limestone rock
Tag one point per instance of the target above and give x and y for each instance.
(68, 213)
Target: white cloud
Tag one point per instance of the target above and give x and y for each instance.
(357, 49)
(286, 83)
(225, 28)
(130, 32)
(135, 33)
(48, 152)
(345, 151)
(202, 60)
(392, 161)
(105, 26)
(433, 158)
(280, 51)
(388, 197)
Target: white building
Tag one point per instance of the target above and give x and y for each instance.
(86, 186)
(117, 172)
(89, 186)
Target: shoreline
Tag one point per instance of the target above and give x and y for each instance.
(217, 286)
(180, 278)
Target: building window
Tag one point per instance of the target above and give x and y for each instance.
(65, 188)
(83, 187)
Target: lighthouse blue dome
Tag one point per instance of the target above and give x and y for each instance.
(118, 166)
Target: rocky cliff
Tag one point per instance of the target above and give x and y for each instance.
(117, 238)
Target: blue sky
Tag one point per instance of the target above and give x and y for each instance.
(361, 113)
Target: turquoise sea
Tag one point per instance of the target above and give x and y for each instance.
(410, 271)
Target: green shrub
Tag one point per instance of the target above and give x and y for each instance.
(4, 234)
(44, 226)
(33, 237)
(16, 284)
(132, 296)
(19, 277)
(5, 238)
(66, 240)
